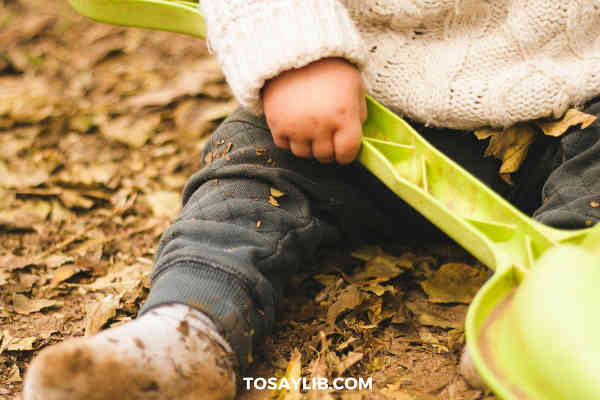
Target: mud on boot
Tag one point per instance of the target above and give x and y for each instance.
(171, 352)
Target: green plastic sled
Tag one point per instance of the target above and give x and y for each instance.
(533, 330)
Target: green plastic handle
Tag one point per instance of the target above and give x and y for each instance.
(512, 353)
(485, 224)
(165, 15)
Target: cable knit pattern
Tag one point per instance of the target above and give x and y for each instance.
(257, 39)
(460, 64)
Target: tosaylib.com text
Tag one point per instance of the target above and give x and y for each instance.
(305, 384)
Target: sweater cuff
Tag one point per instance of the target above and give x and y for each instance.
(277, 36)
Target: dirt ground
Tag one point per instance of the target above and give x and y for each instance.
(100, 126)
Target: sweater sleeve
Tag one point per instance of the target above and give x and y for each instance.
(256, 40)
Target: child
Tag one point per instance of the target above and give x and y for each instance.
(221, 267)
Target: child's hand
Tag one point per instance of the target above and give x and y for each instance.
(317, 110)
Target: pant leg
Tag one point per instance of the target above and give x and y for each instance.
(232, 246)
(572, 191)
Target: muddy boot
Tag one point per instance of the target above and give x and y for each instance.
(172, 352)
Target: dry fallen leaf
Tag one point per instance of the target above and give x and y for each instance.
(87, 174)
(571, 118)
(56, 260)
(164, 203)
(318, 369)
(4, 275)
(26, 216)
(454, 283)
(23, 174)
(11, 343)
(72, 199)
(194, 117)
(367, 253)
(273, 201)
(348, 299)
(28, 100)
(26, 281)
(24, 305)
(431, 314)
(383, 268)
(276, 192)
(379, 290)
(62, 274)
(510, 145)
(14, 375)
(99, 51)
(60, 214)
(124, 280)
(18, 140)
(393, 392)
(98, 313)
(133, 130)
(10, 262)
(292, 374)
(348, 361)
(26, 31)
(190, 82)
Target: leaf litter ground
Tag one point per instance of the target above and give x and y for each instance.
(100, 126)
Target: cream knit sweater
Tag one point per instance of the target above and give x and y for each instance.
(459, 64)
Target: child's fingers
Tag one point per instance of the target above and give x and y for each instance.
(281, 141)
(363, 110)
(347, 143)
(301, 148)
(323, 150)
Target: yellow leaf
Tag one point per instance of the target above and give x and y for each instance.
(377, 364)
(292, 374)
(485, 133)
(506, 178)
(510, 145)
(273, 201)
(380, 290)
(571, 118)
(276, 192)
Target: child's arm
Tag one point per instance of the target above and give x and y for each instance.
(301, 55)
